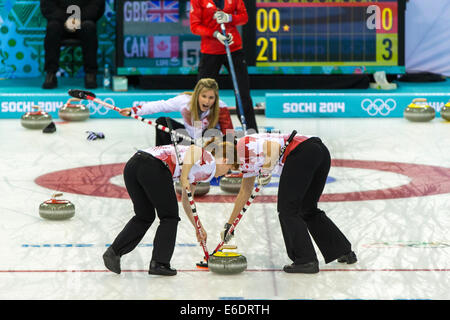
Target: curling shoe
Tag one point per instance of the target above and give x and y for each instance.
(161, 269)
(348, 258)
(112, 260)
(309, 267)
(50, 81)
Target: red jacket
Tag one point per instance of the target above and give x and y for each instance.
(203, 24)
(225, 121)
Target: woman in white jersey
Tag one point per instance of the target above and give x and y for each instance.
(149, 177)
(200, 109)
(303, 173)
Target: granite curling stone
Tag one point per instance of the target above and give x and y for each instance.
(445, 112)
(227, 263)
(419, 111)
(73, 112)
(56, 209)
(231, 182)
(201, 188)
(36, 119)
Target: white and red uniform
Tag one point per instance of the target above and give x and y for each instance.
(202, 171)
(204, 25)
(250, 151)
(181, 103)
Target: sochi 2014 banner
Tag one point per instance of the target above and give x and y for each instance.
(346, 105)
(14, 106)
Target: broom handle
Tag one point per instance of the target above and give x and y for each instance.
(188, 192)
(239, 216)
(234, 79)
(82, 94)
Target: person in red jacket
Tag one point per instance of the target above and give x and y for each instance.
(206, 16)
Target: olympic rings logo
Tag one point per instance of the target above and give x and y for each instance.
(378, 106)
(99, 109)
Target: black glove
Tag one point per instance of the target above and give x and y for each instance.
(225, 235)
(95, 135)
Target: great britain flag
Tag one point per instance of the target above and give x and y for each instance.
(163, 11)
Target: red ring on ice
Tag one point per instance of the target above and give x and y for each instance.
(426, 180)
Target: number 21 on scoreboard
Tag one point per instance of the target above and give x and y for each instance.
(267, 22)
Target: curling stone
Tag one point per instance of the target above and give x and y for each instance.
(201, 188)
(419, 111)
(227, 263)
(445, 112)
(55, 209)
(231, 182)
(73, 112)
(36, 119)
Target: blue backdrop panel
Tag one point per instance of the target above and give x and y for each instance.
(346, 105)
(13, 106)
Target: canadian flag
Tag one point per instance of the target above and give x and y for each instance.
(163, 47)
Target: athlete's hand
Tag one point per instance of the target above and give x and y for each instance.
(264, 178)
(225, 234)
(126, 112)
(222, 17)
(202, 235)
(186, 185)
(222, 38)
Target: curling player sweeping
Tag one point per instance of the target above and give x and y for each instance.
(225, 158)
(303, 173)
(149, 177)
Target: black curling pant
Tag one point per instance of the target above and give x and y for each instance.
(301, 184)
(89, 44)
(149, 184)
(209, 67)
(163, 138)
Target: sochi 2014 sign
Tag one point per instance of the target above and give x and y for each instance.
(13, 106)
(344, 105)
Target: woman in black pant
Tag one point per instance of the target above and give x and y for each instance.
(303, 173)
(149, 177)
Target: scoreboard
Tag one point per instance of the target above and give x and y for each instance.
(338, 34)
(281, 37)
(154, 37)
